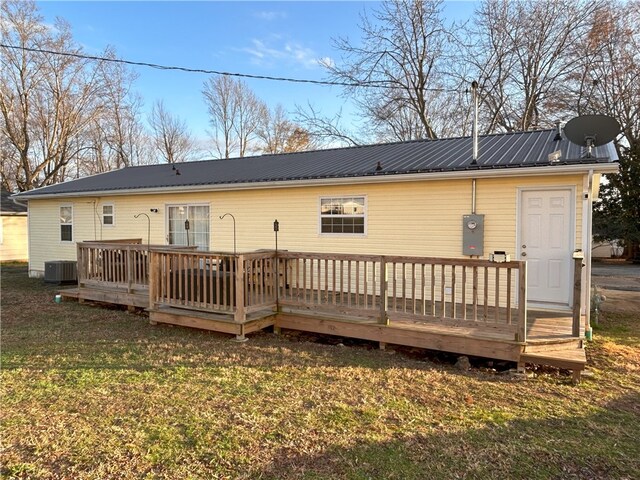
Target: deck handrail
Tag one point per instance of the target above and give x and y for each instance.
(116, 263)
(449, 291)
(113, 264)
(213, 282)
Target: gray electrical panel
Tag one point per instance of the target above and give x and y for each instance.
(473, 235)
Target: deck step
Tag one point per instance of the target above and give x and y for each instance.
(70, 293)
(571, 359)
(553, 345)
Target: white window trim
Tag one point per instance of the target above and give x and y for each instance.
(112, 214)
(65, 242)
(201, 204)
(344, 235)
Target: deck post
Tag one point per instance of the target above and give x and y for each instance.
(154, 263)
(521, 335)
(129, 269)
(80, 266)
(240, 315)
(577, 295)
(384, 285)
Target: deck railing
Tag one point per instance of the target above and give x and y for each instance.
(457, 292)
(213, 282)
(120, 264)
(331, 283)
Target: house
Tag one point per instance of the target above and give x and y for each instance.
(405, 198)
(528, 196)
(13, 229)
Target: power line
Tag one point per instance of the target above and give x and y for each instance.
(371, 84)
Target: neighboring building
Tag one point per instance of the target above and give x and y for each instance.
(611, 249)
(404, 198)
(13, 229)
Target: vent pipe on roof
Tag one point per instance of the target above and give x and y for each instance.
(474, 92)
(558, 136)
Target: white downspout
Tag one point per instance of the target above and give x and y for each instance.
(587, 222)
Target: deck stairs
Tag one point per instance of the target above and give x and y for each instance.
(568, 354)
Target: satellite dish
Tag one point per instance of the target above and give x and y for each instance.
(591, 131)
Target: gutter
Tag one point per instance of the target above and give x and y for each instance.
(15, 200)
(372, 179)
(14, 214)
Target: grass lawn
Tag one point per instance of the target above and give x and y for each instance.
(97, 393)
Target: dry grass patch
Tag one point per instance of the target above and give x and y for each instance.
(93, 393)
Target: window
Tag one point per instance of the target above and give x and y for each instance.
(342, 215)
(66, 224)
(108, 215)
(197, 219)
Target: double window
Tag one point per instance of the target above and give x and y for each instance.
(189, 225)
(343, 215)
(66, 223)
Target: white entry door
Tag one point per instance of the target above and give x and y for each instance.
(546, 243)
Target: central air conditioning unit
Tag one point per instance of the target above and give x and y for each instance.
(61, 271)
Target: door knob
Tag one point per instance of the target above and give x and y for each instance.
(524, 254)
(524, 246)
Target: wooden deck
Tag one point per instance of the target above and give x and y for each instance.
(470, 307)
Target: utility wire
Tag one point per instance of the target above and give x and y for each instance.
(371, 84)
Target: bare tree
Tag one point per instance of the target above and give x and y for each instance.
(324, 130)
(404, 46)
(278, 134)
(609, 79)
(299, 140)
(46, 101)
(235, 113)
(522, 57)
(171, 136)
(121, 124)
(62, 115)
(274, 130)
(221, 103)
(250, 113)
(116, 137)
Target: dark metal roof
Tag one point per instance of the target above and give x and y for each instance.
(9, 206)
(509, 150)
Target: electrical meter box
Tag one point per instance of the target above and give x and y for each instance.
(473, 234)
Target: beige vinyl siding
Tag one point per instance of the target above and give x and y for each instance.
(421, 218)
(14, 245)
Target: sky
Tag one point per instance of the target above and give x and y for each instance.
(284, 39)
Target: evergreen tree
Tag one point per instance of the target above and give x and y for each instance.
(617, 216)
